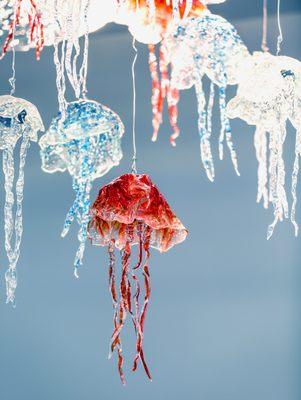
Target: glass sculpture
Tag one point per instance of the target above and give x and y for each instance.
(194, 47)
(268, 95)
(35, 23)
(87, 143)
(19, 119)
(131, 211)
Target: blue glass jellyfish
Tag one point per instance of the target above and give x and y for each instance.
(19, 119)
(86, 141)
(198, 46)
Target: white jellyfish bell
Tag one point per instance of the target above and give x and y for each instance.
(19, 119)
(268, 95)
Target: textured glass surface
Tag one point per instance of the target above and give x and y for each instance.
(87, 143)
(269, 94)
(19, 119)
(59, 18)
(131, 211)
(195, 47)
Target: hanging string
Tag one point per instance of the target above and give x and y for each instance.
(134, 159)
(280, 36)
(12, 79)
(264, 46)
(84, 68)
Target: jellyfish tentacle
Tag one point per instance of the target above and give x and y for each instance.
(260, 144)
(139, 345)
(171, 93)
(205, 147)
(226, 130)
(295, 180)
(277, 177)
(84, 222)
(13, 223)
(157, 100)
(8, 170)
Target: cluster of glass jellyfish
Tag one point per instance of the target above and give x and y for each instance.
(85, 137)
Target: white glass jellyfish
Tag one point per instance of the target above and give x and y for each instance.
(87, 143)
(35, 23)
(19, 119)
(268, 95)
(195, 47)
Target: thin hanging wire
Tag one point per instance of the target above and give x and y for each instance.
(84, 68)
(134, 159)
(280, 36)
(12, 79)
(264, 46)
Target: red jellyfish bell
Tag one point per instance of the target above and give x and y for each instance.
(131, 211)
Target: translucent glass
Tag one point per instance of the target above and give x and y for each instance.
(87, 143)
(19, 119)
(195, 47)
(131, 211)
(55, 16)
(268, 95)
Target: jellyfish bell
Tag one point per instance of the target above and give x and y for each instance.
(131, 211)
(206, 45)
(19, 119)
(268, 96)
(87, 143)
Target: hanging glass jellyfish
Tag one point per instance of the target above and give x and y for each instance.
(19, 119)
(38, 23)
(269, 94)
(148, 20)
(131, 211)
(195, 47)
(86, 142)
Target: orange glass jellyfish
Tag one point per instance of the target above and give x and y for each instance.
(131, 211)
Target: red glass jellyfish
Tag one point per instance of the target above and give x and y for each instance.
(131, 211)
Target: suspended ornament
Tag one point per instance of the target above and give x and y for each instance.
(194, 48)
(131, 211)
(35, 23)
(86, 142)
(19, 119)
(268, 95)
(148, 20)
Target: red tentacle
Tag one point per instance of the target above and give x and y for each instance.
(36, 28)
(171, 94)
(157, 99)
(140, 325)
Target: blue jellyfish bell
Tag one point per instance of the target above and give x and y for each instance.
(86, 141)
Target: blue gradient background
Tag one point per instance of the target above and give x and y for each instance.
(224, 321)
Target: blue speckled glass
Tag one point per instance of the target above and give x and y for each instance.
(86, 141)
(206, 45)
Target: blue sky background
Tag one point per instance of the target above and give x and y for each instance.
(224, 321)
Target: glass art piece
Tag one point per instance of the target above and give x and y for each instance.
(19, 119)
(148, 20)
(131, 211)
(87, 143)
(35, 23)
(196, 47)
(269, 95)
